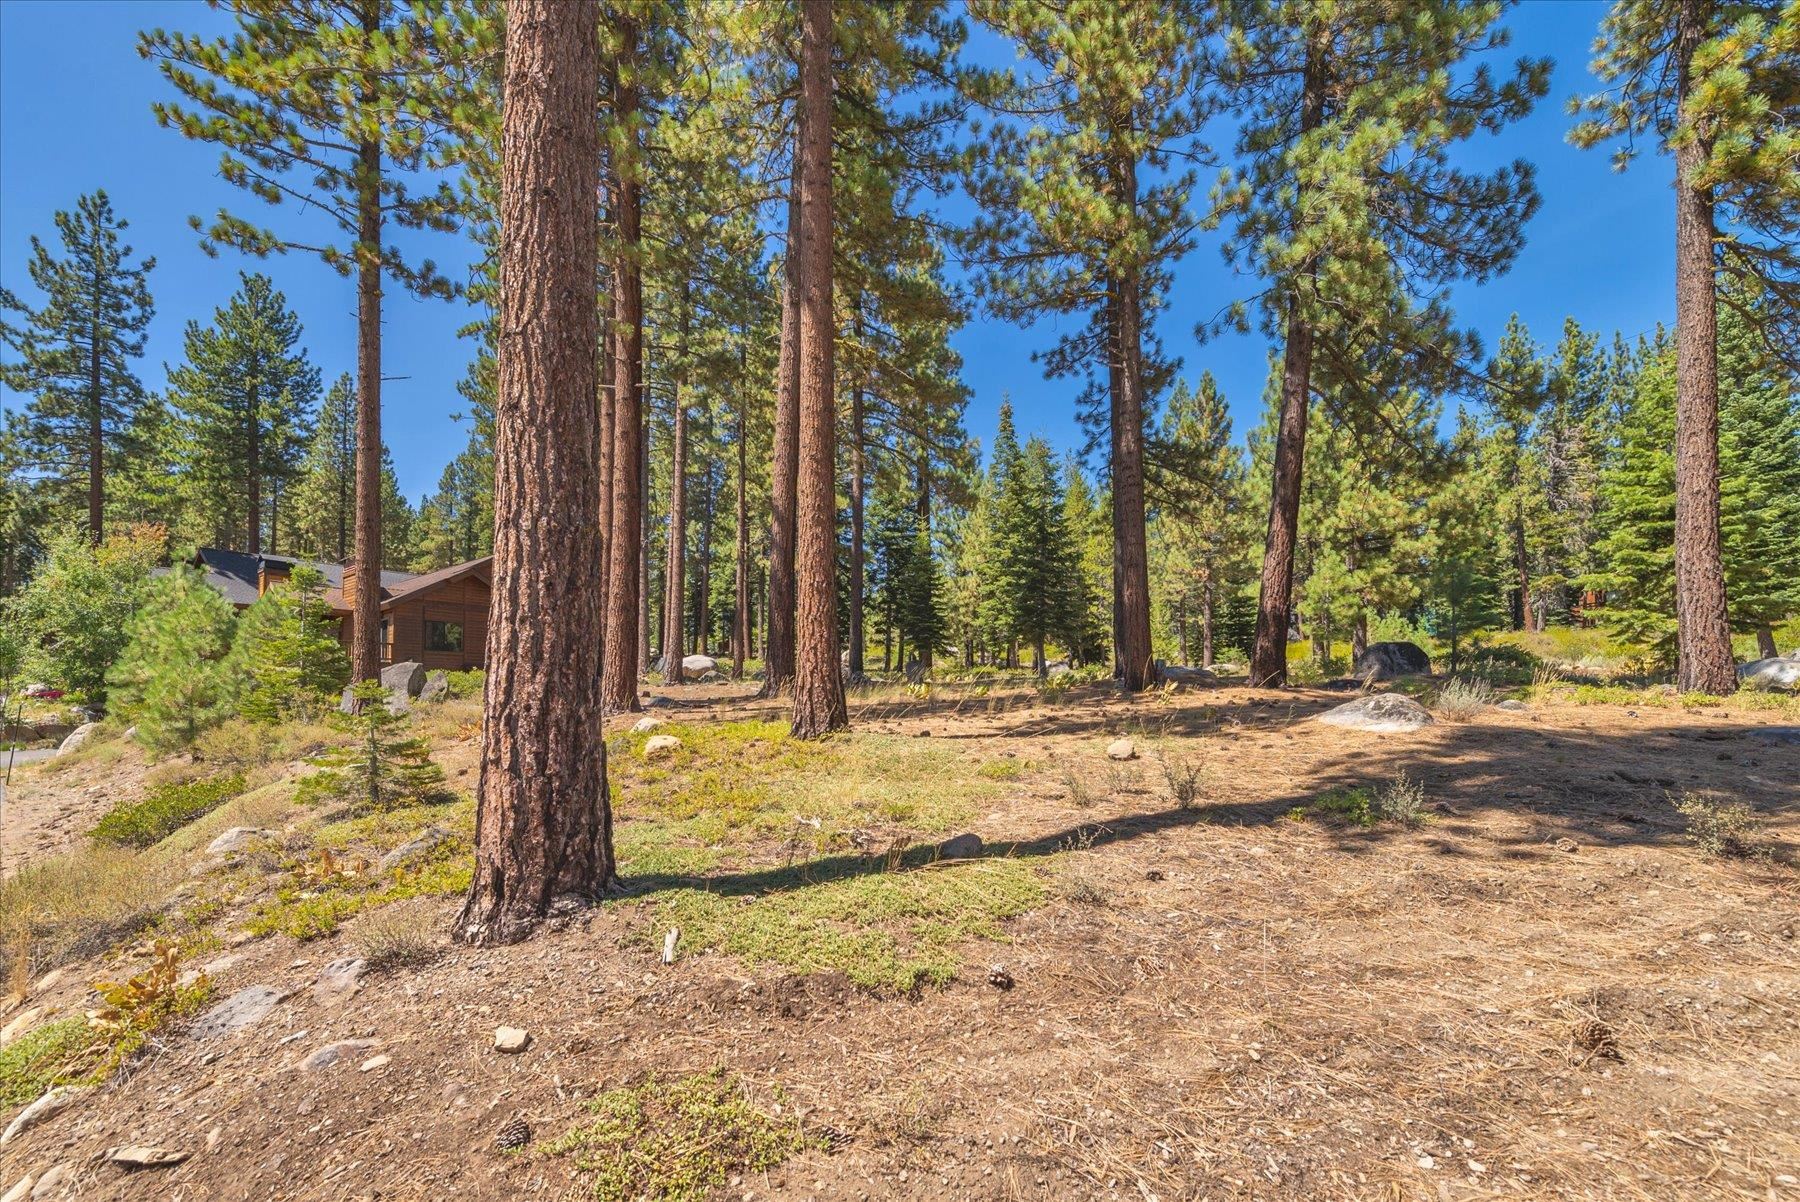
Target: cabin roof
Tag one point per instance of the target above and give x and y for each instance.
(234, 574)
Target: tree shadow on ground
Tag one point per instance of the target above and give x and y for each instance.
(1573, 788)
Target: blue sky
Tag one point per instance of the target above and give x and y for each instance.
(75, 115)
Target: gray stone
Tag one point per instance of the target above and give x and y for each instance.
(78, 738)
(713, 677)
(406, 677)
(1782, 673)
(1183, 674)
(511, 1040)
(245, 1008)
(339, 981)
(1121, 749)
(54, 1183)
(658, 745)
(1382, 712)
(1512, 705)
(698, 665)
(1058, 668)
(1388, 661)
(646, 724)
(53, 1102)
(20, 1190)
(437, 687)
(331, 1053)
(236, 839)
(421, 843)
(961, 847)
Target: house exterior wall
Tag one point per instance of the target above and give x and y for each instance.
(462, 601)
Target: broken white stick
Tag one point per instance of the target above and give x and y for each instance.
(669, 942)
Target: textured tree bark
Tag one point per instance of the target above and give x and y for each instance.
(625, 542)
(703, 560)
(818, 683)
(543, 827)
(365, 618)
(1137, 667)
(253, 475)
(778, 629)
(96, 430)
(740, 621)
(857, 567)
(1206, 623)
(923, 501)
(675, 562)
(1765, 642)
(604, 412)
(1274, 606)
(1704, 663)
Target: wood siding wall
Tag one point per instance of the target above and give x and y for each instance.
(462, 601)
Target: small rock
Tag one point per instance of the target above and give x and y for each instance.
(331, 1053)
(144, 1157)
(47, 981)
(437, 687)
(698, 665)
(20, 1024)
(338, 981)
(20, 1190)
(658, 745)
(219, 964)
(1389, 661)
(236, 839)
(962, 847)
(1513, 705)
(242, 1009)
(1121, 749)
(46, 1107)
(646, 724)
(214, 1137)
(426, 840)
(54, 1183)
(406, 677)
(375, 1062)
(511, 1039)
(78, 738)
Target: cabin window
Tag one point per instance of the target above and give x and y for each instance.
(443, 636)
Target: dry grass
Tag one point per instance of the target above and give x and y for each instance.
(402, 935)
(79, 904)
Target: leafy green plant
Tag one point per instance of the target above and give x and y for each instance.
(1462, 697)
(173, 681)
(1183, 776)
(1401, 800)
(288, 651)
(46, 1056)
(465, 684)
(165, 810)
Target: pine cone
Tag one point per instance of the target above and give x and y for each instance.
(1596, 1038)
(999, 978)
(515, 1134)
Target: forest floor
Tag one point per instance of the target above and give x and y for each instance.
(1212, 970)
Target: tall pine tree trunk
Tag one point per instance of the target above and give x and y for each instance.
(96, 412)
(740, 620)
(365, 618)
(625, 543)
(1274, 606)
(604, 413)
(857, 567)
(1704, 663)
(675, 559)
(778, 658)
(924, 512)
(543, 827)
(1137, 669)
(253, 475)
(703, 563)
(1206, 623)
(818, 682)
(643, 627)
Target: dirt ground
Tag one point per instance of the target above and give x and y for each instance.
(1543, 991)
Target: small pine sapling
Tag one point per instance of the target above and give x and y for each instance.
(383, 769)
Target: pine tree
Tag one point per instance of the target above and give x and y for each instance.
(1085, 517)
(545, 834)
(1464, 590)
(1196, 479)
(1372, 99)
(287, 651)
(172, 680)
(1569, 443)
(324, 495)
(381, 768)
(818, 682)
(244, 397)
(1083, 211)
(75, 354)
(1516, 390)
(321, 104)
(1714, 83)
(1035, 566)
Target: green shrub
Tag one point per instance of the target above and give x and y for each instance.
(1724, 828)
(165, 810)
(52, 1054)
(381, 769)
(465, 684)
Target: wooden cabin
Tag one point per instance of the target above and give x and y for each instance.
(438, 618)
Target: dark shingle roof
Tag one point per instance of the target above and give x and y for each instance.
(233, 573)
